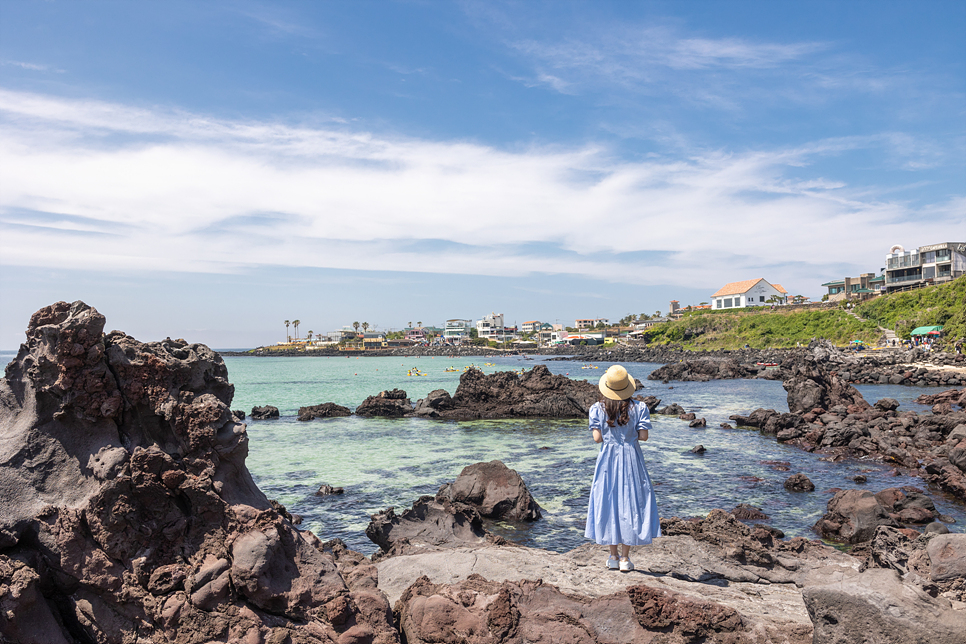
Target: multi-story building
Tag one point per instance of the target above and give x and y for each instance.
(589, 323)
(756, 292)
(863, 287)
(457, 330)
(531, 326)
(926, 265)
(491, 327)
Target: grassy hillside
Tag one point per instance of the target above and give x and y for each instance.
(762, 329)
(903, 312)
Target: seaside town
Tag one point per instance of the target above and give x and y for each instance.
(904, 270)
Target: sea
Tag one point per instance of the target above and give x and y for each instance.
(384, 463)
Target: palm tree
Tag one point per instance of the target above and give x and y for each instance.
(365, 327)
(419, 324)
(296, 324)
(287, 338)
(410, 325)
(355, 325)
(310, 335)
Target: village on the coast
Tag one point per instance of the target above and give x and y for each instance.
(904, 270)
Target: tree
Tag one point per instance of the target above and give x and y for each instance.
(703, 304)
(310, 335)
(409, 324)
(355, 325)
(474, 334)
(419, 324)
(287, 338)
(657, 313)
(600, 325)
(365, 327)
(296, 324)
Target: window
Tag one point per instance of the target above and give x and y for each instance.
(761, 298)
(718, 302)
(727, 303)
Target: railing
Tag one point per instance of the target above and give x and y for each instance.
(904, 278)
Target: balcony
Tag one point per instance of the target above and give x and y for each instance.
(905, 278)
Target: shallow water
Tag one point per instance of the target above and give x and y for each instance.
(383, 463)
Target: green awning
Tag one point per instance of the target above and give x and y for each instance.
(925, 330)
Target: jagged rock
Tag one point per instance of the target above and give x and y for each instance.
(673, 409)
(239, 415)
(810, 383)
(887, 404)
(325, 410)
(853, 516)
(430, 406)
(745, 512)
(907, 504)
(799, 483)
(327, 490)
(429, 523)
(950, 396)
(947, 557)
(703, 370)
(144, 521)
(388, 404)
(687, 416)
(651, 401)
(698, 422)
(697, 449)
(534, 394)
(495, 490)
(264, 413)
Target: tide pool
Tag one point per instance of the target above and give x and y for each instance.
(383, 463)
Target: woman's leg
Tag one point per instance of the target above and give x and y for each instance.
(625, 551)
(613, 551)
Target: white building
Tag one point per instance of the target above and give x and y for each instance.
(926, 265)
(530, 326)
(457, 330)
(491, 327)
(756, 292)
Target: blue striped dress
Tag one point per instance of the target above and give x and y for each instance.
(622, 508)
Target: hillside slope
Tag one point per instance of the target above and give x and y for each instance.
(943, 305)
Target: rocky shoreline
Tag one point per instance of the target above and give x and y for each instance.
(129, 515)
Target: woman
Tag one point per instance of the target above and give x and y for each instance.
(622, 509)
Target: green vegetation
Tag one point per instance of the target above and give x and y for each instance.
(761, 329)
(936, 305)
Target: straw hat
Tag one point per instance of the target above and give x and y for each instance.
(617, 384)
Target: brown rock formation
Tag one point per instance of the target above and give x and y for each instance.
(128, 512)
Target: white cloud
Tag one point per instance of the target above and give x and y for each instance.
(146, 189)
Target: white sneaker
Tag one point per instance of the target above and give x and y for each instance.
(626, 565)
(612, 563)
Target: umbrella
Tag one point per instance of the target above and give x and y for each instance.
(934, 333)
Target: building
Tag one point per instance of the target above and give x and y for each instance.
(674, 308)
(933, 264)
(491, 327)
(756, 292)
(531, 326)
(862, 287)
(457, 330)
(590, 323)
(647, 324)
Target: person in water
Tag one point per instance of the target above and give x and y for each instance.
(622, 510)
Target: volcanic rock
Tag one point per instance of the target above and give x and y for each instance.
(428, 524)
(387, 404)
(327, 490)
(495, 490)
(697, 449)
(430, 406)
(810, 383)
(325, 410)
(505, 394)
(264, 413)
(853, 516)
(128, 511)
(673, 409)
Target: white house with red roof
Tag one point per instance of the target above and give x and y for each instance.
(756, 292)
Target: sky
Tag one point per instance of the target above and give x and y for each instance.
(209, 170)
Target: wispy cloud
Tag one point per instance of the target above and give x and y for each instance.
(187, 192)
(34, 67)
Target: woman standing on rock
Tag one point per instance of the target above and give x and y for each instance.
(622, 509)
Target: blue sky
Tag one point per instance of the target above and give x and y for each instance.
(208, 170)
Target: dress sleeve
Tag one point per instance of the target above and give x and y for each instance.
(597, 417)
(644, 422)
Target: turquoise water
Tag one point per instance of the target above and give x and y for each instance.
(383, 463)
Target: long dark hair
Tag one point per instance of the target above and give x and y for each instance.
(618, 410)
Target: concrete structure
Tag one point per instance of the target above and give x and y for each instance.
(646, 324)
(756, 292)
(675, 306)
(863, 287)
(590, 323)
(457, 330)
(933, 264)
(530, 327)
(491, 327)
